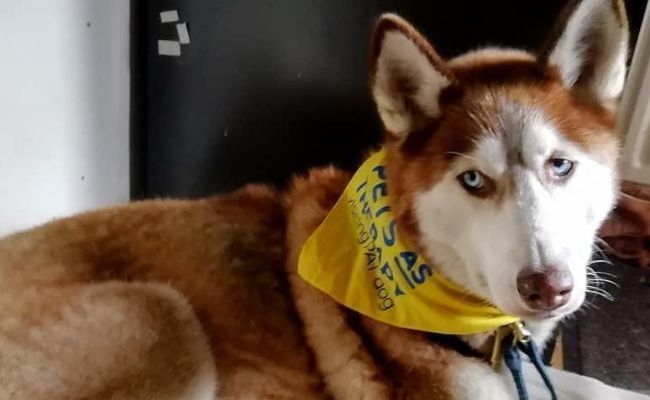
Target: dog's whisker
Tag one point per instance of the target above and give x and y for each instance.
(603, 243)
(600, 278)
(600, 292)
(603, 280)
(588, 305)
(600, 251)
(597, 262)
(594, 287)
(593, 271)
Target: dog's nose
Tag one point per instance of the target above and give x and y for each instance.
(545, 289)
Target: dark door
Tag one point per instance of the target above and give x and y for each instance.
(269, 88)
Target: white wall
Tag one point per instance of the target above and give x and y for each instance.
(64, 108)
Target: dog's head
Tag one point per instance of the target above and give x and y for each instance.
(502, 163)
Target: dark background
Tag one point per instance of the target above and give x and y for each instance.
(269, 88)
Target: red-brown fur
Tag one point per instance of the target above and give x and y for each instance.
(233, 258)
(225, 255)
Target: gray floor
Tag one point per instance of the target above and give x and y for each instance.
(612, 343)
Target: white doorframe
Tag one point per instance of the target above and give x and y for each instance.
(634, 117)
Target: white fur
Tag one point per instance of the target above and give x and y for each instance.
(484, 243)
(471, 379)
(571, 386)
(400, 58)
(593, 26)
(203, 385)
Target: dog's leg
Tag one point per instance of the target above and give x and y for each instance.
(348, 369)
(224, 254)
(427, 370)
(473, 379)
(572, 386)
(60, 343)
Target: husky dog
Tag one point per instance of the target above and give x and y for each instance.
(501, 165)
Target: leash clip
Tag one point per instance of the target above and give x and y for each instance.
(519, 335)
(522, 341)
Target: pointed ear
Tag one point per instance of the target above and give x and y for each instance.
(590, 48)
(406, 76)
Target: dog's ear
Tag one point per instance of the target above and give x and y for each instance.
(589, 46)
(406, 76)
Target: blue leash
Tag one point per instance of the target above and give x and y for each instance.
(512, 358)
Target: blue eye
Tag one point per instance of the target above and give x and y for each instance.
(472, 180)
(561, 167)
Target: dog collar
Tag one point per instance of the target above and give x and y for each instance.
(356, 257)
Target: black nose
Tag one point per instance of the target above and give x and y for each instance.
(544, 289)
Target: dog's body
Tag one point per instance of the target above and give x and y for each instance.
(501, 167)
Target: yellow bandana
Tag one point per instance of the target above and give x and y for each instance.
(356, 257)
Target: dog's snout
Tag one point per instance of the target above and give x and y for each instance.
(544, 289)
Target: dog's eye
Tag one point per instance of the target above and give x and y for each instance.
(560, 167)
(472, 180)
